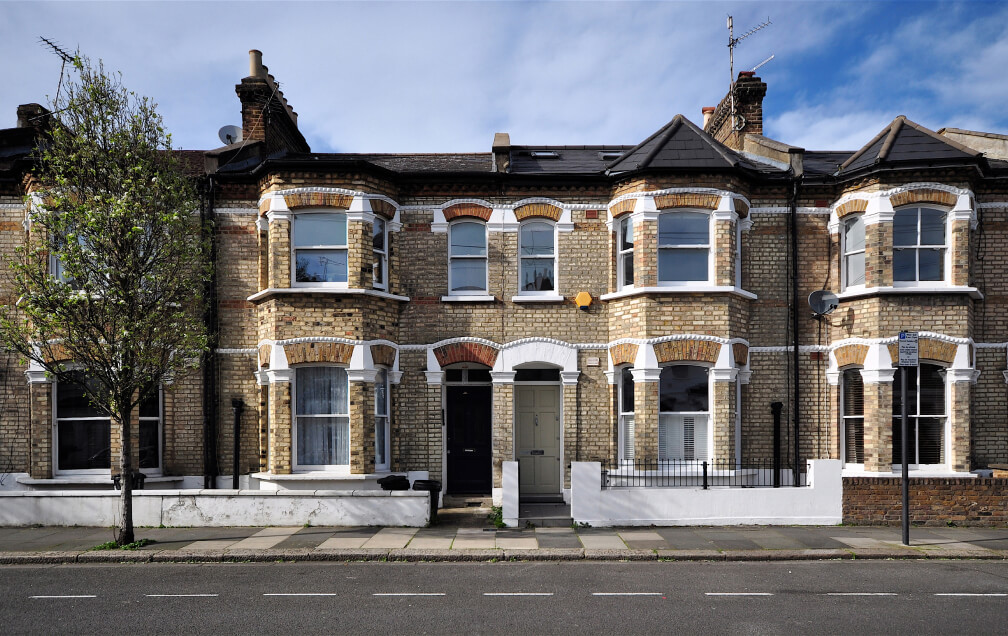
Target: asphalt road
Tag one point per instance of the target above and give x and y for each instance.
(805, 597)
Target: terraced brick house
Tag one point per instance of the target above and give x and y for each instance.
(416, 312)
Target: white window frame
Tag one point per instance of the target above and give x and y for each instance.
(556, 274)
(333, 468)
(345, 247)
(846, 254)
(946, 253)
(623, 253)
(379, 257)
(844, 417)
(625, 420)
(708, 423)
(460, 257)
(912, 420)
(383, 421)
(707, 247)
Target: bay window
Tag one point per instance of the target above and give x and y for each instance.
(683, 247)
(852, 415)
(320, 247)
(918, 245)
(625, 246)
(853, 250)
(684, 410)
(625, 414)
(926, 416)
(381, 420)
(379, 250)
(322, 417)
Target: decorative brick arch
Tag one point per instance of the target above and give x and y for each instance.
(928, 349)
(623, 207)
(741, 208)
(265, 351)
(529, 210)
(383, 208)
(467, 209)
(704, 201)
(740, 352)
(58, 353)
(623, 354)
(334, 352)
(923, 195)
(693, 350)
(847, 355)
(383, 354)
(851, 207)
(465, 352)
(317, 200)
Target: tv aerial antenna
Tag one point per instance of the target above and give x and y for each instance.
(63, 55)
(732, 43)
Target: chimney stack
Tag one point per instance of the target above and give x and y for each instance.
(502, 152)
(749, 92)
(266, 115)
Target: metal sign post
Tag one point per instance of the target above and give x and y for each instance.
(907, 358)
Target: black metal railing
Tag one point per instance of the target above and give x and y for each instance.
(716, 473)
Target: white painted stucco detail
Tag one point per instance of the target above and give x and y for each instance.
(818, 503)
(509, 493)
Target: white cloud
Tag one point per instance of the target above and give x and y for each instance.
(818, 129)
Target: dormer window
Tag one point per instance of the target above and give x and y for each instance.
(919, 245)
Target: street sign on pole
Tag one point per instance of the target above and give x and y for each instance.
(907, 358)
(908, 349)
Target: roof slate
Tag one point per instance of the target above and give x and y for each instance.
(904, 141)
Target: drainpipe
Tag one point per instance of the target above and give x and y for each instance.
(795, 156)
(236, 409)
(209, 358)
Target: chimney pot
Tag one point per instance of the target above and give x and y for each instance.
(256, 68)
(746, 74)
(708, 112)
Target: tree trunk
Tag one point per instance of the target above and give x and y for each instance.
(126, 478)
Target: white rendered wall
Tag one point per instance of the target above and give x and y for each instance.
(819, 503)
(203, 508)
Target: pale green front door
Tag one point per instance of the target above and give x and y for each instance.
(537, 439)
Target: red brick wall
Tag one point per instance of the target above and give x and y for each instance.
(933, 501)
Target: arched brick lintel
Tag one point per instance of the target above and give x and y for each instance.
(465, 352)
(928, 349)
(467, 209)
(529, 210)
(923, 195)
(317, 200)
(623, 354)
(334, 352)
(687, 351)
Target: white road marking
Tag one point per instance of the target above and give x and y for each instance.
(301, 594)
(517, 593)
(628, 593)
(738, 593)
(861, 594)
(178, 595)
(65, 596)
(972, 594)
(408, 594)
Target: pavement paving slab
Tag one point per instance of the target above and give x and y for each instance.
(265, 538)
(566, 539)
(770, 539)
(430, 542)
(685, 539)
(517, 542)
(609, 541)
(474, 539)
(728, 539)
(810, 537)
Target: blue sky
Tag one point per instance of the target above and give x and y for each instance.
(445, 76)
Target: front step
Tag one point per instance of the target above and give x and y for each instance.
(467, 501)
(544, 515)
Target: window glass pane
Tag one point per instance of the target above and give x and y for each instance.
(627, 269)
(931, 262)
(537, 375)
(536, 274)
(321, 391)
(323, 441)
(929, 440)
(83, 444)
(854, 440)
(378, 270)
(378, 234)
(381, 392)
(932, 227)
(854, 235)
(150, 443)
(479, 375)
(853, 392)
(626, 390)
(320, 229)
(71, 401)
(682, 265)
(454, 375)
(683, 388)
(856, 269)
(537, 239)
(468, 239)
(904, 264)
(905, 227)
(911, 391)
(897, 438)
(626, 234)
(151, 406)
(932, 390)
(321, 266)
(468, 274)
(683, 228)
(380, 458)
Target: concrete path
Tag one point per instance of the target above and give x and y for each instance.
(471, 538)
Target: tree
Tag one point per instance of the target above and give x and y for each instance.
(110, 279)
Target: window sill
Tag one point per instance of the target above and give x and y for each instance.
(864, 292)
(468, 298)
(680, 289)
(545, 298)
(333, 291)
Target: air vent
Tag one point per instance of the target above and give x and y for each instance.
(609, 155)
(544, 154)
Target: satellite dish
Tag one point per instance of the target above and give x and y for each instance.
(230, 134)
(823, 302)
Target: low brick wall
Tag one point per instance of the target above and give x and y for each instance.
(933, 501)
